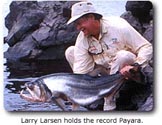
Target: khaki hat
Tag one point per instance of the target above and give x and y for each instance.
(81, 8)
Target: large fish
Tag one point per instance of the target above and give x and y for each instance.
(80, 89)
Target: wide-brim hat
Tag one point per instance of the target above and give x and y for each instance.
(81, 8)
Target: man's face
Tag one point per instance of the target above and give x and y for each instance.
(86, 25)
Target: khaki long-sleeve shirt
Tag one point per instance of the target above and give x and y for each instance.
(116, 34)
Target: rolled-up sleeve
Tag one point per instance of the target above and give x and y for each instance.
(139, 45)
(83, 62)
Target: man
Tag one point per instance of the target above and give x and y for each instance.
(110, 42)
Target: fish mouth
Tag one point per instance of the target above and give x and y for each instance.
(30, 95)
(36, 94)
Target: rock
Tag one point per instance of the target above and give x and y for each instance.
(41, 34)
(140, 9)
(134, 21)
(140, 15)
(52, 53)
(15, 9)
(149, 74)
(44, 23)
(21, 49)
(148, 105)
(27, 22)
(148, 34)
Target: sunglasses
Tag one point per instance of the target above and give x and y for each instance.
(96, 48)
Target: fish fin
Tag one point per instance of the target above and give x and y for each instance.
(75, 107)
(59, 102)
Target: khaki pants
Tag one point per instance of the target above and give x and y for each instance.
(121, 59)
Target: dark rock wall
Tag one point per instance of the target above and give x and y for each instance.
(38, 30)
(140, 15)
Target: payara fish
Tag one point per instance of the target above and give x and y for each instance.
(80, 89)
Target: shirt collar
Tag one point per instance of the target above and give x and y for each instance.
(104, 28)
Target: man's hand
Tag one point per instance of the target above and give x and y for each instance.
(133, 72)
(125, 71)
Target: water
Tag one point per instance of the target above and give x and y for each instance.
(109, 8)
(15, 75)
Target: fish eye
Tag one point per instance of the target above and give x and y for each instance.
(30, 86)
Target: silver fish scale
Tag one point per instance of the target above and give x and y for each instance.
(83, 89)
